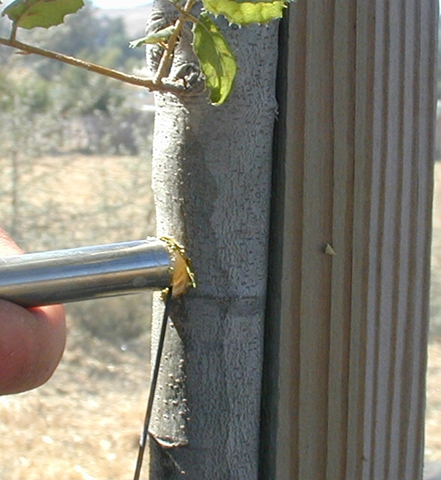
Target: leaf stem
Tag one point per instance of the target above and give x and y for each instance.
(13, 32)
(153, 85)
(188, 15)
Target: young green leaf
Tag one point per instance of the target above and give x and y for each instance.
(246, 13)
(157, 37)
(216, 58)
(40, 13)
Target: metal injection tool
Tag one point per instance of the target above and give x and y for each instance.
(44, 278)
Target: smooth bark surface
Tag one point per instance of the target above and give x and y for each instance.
(211, 179)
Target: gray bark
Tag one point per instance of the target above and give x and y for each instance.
(212, 181)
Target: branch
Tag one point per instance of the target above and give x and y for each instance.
(170, 46)
(158, 85)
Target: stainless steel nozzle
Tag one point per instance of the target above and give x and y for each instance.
(35, 279)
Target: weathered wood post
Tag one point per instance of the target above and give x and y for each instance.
(346, 334)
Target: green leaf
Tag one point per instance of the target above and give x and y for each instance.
(157, 37)
(216, 58)
(40, 13)
(246, 13)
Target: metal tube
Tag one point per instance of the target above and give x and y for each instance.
(35, 279)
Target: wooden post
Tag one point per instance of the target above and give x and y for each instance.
(346, 333)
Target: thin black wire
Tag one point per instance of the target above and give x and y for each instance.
(154, 381)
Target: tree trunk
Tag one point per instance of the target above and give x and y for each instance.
(212, 182)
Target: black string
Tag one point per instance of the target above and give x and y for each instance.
(154, 381)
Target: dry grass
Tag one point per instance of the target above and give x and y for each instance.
(84, 423)
(73, 200)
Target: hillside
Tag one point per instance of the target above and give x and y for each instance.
(135, 18)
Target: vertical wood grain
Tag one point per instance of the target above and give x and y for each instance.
(354, 163)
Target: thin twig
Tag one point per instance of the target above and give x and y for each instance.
(187, 15)
(155, 85)
(13, 32)
(171, 43)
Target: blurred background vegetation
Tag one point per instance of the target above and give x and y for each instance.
(75, 152)
(75, 166)
(61, 100)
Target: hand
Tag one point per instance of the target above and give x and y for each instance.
(31, 340)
